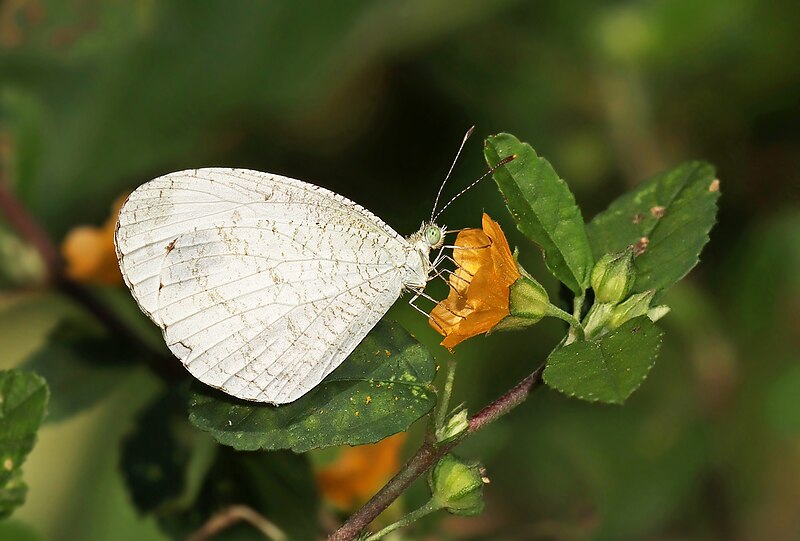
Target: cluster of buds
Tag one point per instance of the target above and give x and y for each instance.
(612, 280)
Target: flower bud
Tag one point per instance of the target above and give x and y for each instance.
(635, 306)
(528, 299)
(597, 319)
(457, 424)
(458, 486)
(613, 276)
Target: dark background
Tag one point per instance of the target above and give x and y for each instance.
(371, 99)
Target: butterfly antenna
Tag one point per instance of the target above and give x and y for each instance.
(463, 142)
(486, 174)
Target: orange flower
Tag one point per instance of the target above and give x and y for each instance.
(479, 292)
(89, 252)
(360, 472)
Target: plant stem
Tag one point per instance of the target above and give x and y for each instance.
(506, 402)
(441, 413)
(429, 454)
(410, 518)
(230, 516)
(574, 324)
(573, 334)
(577, 306)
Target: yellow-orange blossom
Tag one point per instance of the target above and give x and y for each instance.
(360, 471)
(89, 252)
(479, 292)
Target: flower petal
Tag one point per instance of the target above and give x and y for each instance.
(479, 296)
(360, 471)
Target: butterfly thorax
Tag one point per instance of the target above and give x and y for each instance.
(418, 265)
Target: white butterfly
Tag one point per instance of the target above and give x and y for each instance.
(263, 284)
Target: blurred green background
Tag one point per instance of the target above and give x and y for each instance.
(371, 99)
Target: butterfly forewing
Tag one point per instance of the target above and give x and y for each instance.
(262, 284)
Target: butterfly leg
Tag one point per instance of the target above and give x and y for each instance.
(441, 274)
(421, 293)
(412, 301)
(440, 256)
(417, 295)
(453, 261)
(449, 259)
(453, 274)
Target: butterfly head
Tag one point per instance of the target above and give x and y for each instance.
(430, 236)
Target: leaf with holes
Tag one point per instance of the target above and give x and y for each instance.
(608, 369)
(23, 402)
(383, 387)
(667, 219)
(544, 209)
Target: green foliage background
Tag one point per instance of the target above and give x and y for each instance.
(370, 99)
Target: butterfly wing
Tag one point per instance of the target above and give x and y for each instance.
(261, 284)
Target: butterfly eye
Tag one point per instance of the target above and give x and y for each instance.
(434, 235)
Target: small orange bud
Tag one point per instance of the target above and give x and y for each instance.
(89, 252)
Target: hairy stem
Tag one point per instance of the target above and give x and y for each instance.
(429, 454)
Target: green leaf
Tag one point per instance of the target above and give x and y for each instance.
(182, 477)
(277, 485)
(81, 365)
(544, 209)
(667, 219)
(382, 387)
(783, 401)
(156, 454)
(23, 402)
(608, 369)
(11, 530)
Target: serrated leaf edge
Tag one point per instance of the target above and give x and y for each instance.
(583, 282)
(586, 398)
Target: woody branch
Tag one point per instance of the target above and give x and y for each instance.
(429, 454)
